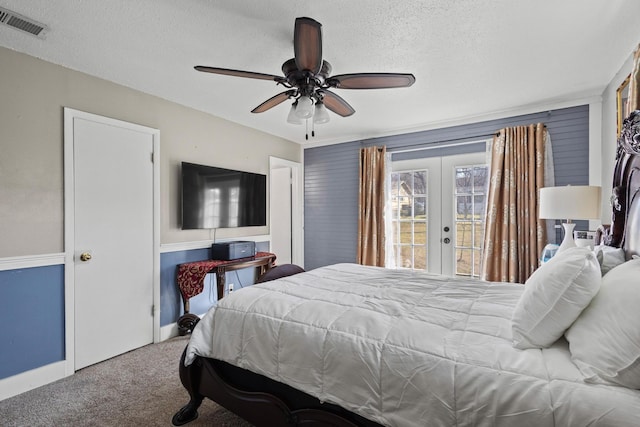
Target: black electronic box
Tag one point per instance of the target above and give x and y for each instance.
(233, 250)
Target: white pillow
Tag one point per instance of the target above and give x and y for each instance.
(609, 257)
(605, 340)
(554, 296)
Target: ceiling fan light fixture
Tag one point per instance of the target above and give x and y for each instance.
(321, 114)
(307, 76)
(304, 109)
(293, 117)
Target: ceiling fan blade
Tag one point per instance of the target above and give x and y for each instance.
(273, 101)
(307, 44)
(371, 80)
(239, 73)
(336, 104)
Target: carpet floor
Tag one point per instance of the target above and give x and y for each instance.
(139, 388)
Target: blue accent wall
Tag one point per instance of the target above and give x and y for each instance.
(32, 307)
(331, 173)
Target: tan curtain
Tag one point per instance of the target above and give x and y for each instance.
(371, 206)
(634, 84)
(514, 236)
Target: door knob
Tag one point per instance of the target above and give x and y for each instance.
(85, 256)
(447, 240)
(446, 229)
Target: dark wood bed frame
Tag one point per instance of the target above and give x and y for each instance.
(264, 402)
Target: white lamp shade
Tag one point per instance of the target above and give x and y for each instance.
(570, 202)
(304, 110)
(321, 115)
(293, 117)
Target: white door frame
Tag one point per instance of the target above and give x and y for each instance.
(297, 207)
(69, 225)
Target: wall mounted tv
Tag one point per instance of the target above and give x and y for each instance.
(214, 197)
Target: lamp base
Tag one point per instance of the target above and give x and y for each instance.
(568, 241)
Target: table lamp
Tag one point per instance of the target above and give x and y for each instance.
(569, 203)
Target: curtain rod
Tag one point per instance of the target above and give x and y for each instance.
(440, 144)
(446, 143)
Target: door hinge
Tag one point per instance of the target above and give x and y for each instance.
(153, 310)
(152, 157)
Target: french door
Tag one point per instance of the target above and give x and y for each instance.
(437, 209)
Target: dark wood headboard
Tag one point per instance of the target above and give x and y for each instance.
(625, 200)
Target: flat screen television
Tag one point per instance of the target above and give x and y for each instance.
(214, 197)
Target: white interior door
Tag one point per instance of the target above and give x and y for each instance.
(280, 213)
(286, 211)
(113, 256)
(436, 213)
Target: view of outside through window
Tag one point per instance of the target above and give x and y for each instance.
(409, 218)
(409, 209)
(470, 200)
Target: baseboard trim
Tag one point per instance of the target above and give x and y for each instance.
(23, 382)
(168, 331)
(34, 378)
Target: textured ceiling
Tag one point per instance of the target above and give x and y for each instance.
(471, 58)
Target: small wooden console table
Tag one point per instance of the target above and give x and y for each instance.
(191, 274)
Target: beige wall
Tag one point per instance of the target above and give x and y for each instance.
(32, 96)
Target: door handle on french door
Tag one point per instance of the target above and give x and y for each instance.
(85, 256)
(446, 240)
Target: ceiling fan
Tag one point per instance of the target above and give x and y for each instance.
(307, 77)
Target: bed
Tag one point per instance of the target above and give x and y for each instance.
(349, 345)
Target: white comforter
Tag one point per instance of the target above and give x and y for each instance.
(406, 348)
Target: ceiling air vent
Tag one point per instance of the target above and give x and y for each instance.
(22, 23)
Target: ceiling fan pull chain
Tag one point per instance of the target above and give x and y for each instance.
(306, 131)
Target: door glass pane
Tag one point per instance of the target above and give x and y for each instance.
(420, 233)
(464, 180)
(406, 257)
(406, 233)
(464, 262)
(480, 178)
(420, 257)
(464, 208)
(477, 259)
(478, 206)
(394, 185)
(420, 182)
(478, 234)
(394, 207)
(419, 207)
(464, 234)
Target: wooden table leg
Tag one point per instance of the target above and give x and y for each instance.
(220, 281)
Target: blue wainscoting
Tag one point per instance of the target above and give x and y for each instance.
(170, 299)
(32, 310)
